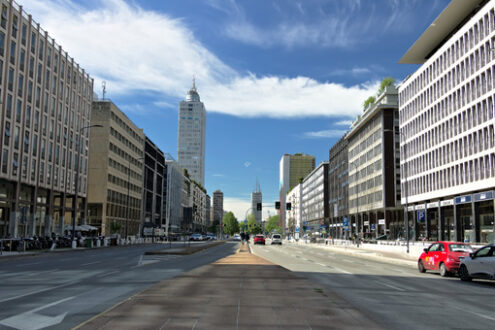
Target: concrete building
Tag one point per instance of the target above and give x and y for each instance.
(208, 211)
(338, 186)
(154, 164)
(218, 206)
(294, 216)
(447, 124)
(46, 102)
(315, 213)
(172, 181)
(373, 167)
(293, 169)
(198, 195)
(115, 181)
(192, 136)
(257, 198)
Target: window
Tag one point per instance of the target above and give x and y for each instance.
(40, 50)
(33, 42)
(10, 84)
(23, 34)
(2, 43)
(3, 21)
(5, 160)
(15, 26)
(28, 116)
(16, 137)
(31, 67)
(15, 163)
(12, 52)
(8, 107)
(7, 133)
(20, 85)
(18, 111)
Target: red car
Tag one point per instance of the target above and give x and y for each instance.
(259, 239)
(443, 257)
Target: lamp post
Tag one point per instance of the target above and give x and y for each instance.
(129, 197)
(406, 210)
(76, 183)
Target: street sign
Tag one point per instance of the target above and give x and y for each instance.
(345, 222)
(297, 229)
(421, 215)
(372, 226)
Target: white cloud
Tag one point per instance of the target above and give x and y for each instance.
(136, 50)
(218, 175)
(247, 164)
(241, 207)
(344, 123)
(329, 133)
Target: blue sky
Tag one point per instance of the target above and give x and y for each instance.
(275, 76)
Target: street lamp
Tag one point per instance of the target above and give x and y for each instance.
(129, 197)
(406, 210)
(76, 183)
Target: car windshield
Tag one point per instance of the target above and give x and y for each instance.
(460, 248)
(276, 236)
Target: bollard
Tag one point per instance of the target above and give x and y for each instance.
(98, 243)
(105, 242)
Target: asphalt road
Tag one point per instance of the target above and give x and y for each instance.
(61, 290)
(395, 296)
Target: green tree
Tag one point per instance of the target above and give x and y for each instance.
(292, 225)
(387, 81)
(214, 227)
(253, 226)
(369, 100)
(273, 224)
(115, 227)
(230, 224)
(243, 227)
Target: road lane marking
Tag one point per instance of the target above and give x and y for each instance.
(238, 313)
(37, 291)
(164, 324)
(106, 274)
(32, 320)
(91, 263)
(392, 286)
(341, 270)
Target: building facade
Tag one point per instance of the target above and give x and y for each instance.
(294, 215)
(293, 169)
(218, 206)
(172, 181)
(257, 198)
(191, 140)
(447, 123)
(373, 165)
(315, 212)
(46, 102)
(115, 181)
(338, 186)
(154, 164)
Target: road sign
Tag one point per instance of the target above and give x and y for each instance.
(421, 215)
(345, 222)
(372, 226)
(297, 229)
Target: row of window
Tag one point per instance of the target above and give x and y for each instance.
(367, 200)
(118, 198)
(470, 39)
(366, 137)
(130, 131)
(128, 144)
(470, 171)
(456, 100)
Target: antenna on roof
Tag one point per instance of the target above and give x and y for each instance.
(104, 89)
(194, 83)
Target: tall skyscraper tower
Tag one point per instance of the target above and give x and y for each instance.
(256, 197)
(217, 206)
(293, 169)
(191, 135)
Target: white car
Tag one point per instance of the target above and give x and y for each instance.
(479, 264)
(236, 238)
(276, 239)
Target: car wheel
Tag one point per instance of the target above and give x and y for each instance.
(443, 270)
(421, 267)
(464, 274)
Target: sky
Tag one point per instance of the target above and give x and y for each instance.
(276, 76)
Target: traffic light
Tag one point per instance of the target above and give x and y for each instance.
(277, 205)
(288, 206)
(258, 207)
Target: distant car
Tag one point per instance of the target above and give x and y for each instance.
(259, 239)
(443, 257)
(276, 239)
(196, 237)
(211, 237)
(479, 264)
(236, 238)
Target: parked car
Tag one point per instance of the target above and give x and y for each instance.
(196, 237)
(276, 239)
(259, 239)
(443, 257)
(236, 238)
(211, 237)
(479, 264)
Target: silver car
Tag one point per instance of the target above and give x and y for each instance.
(276, 239)
(479, 264)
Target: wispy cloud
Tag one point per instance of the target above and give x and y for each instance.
(329, 133)
(241, 207)
(142, 51)
(344, 123)
(247, 164)
(218, 175)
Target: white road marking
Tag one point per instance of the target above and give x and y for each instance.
(164, 324)
(392, 286)
(341, 270)
(34, 321)
(106, 274)
(37, 291)
(91, 263)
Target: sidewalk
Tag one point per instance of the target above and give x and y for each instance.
(395, 254)
(242, 291)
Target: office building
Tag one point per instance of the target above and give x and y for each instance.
(447, 126)
(218, 206)
(293, 169)
(315, 199)
(338, 186)
(294, 216)
(191, 136)
(172, 180)
(257, 199)
(373, 167)
(115, 181)
(46, 102)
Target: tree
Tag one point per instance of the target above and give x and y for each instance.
(243, 227)
(214, 227)
(230, 224)
(273, 224)
(115, 227)
(253, 226)
(387, 81)
(292, 225)
(369, 100)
